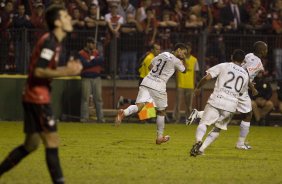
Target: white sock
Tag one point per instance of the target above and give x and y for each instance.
(209, 139)
(200, 114)
(244, 131)
(200, 132)
(160, 125)
(130, 110)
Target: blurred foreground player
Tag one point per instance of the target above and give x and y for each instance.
(39, 123)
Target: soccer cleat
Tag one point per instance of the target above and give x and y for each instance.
(162, 139)
(193, 116)
(195, 149)
(119, 117)
(120, 102)
(243, 147)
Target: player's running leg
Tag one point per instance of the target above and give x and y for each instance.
(31, 143)
(122, 113)
(200, 132)
(212, 136)
(160, 128)
(51, 143)
(244, 131)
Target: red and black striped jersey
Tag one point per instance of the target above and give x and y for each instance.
(46, 54)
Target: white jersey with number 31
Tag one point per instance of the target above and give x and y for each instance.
(232, 81)
(164, 66)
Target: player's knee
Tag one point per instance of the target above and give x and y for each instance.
(32, 142)
(50, 140)
(52, 143)
(269, 104)
(161, 112)
(32, 146)
(248, 116)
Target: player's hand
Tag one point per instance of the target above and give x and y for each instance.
(254, 92)
(74, 67)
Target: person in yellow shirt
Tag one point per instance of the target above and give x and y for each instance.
(185, 83)
(145, 63)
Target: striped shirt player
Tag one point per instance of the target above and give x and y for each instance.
(153, 86)
(39, 122)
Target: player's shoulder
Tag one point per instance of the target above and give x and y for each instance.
(232, 66)
(166, 56)
(239, 69)
(251, 57)
(48, 40)
(223, 65)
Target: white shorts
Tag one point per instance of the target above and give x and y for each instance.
(244, 103)
(216, 116)
(147, 95)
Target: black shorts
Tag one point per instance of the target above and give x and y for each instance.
(38, 118)
(279, 90)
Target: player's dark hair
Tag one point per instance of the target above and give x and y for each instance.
(179, 45)
(259, 46)
(52, 13)
(238, 55)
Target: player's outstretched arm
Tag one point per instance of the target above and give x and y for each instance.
(202, 82)
(73, 67)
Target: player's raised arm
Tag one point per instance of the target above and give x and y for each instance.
(202, 82)
(73, 67)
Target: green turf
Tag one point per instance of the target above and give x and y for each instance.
(102, 153)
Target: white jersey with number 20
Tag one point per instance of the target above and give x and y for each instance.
(232, 81)
(164, 66)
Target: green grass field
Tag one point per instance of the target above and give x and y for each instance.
(102, 154)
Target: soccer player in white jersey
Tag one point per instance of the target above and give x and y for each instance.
(232, 81)
(153, 87)
(253, 65)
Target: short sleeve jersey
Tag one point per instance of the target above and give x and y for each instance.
(253, 65)
(164, 66)
(232, 81)
(46, 54)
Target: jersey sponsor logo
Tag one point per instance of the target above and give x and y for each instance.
(257, 67)
(229, 92)
(47, 54)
